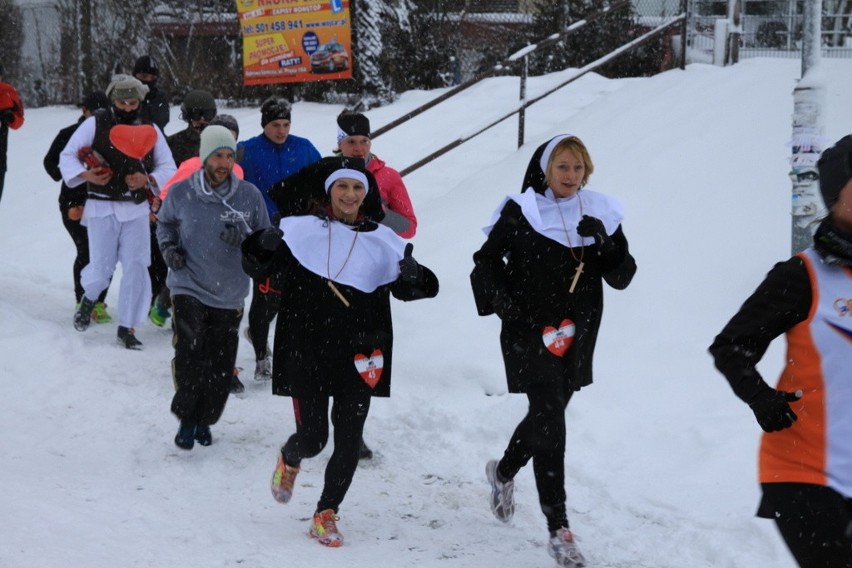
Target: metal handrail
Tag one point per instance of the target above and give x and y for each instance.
(547, 42)
(582, 71)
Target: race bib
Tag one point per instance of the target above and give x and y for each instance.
(558, 340)
(370, 368)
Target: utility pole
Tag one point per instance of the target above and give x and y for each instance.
(808, 133)
(735, 16)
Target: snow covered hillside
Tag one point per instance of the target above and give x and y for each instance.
(661, 456)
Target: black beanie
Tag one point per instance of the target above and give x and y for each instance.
(352, 124)
(835, 169)
(274, 109)
(95, 100)
(228, 122)
(146, 64)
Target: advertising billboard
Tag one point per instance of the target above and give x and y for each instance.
(292, 41)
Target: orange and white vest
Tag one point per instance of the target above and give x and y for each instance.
(817, 449)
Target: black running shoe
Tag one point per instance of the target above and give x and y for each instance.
(203, 435)
(127, 337)
(185, 438)
(83, 316)
(364, 452)
(237, 385)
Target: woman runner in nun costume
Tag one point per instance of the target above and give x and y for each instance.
(340, 267)
(541, 270)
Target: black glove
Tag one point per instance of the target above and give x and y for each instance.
(6, 116)
(592, 227)
(232, 235)
(409, 270)
(505, 308)
(269, 239)
(772, 409)
(175, 258)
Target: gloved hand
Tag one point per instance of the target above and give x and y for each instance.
(505, 308)
(772, 409)
(232, 235)
(592, 227)
(409, 270)
(269, 239)
(6, 116)
(175, 258)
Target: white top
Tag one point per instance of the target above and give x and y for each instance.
(374, 258)
(546, 214)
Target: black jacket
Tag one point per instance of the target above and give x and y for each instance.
(780, 302)
(68, 196)
(155, 109)
(535, 272)
(184, 144)
(316, 335)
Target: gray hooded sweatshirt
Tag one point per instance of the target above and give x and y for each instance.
(192, 218)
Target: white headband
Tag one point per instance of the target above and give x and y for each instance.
(341, 135)
(548, 150)
(346, 173)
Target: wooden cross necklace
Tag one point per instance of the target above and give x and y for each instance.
(580, 264)
(330, 280)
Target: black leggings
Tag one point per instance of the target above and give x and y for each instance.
(540, 436)
(814, 521)
(80, 236)
(205, 343)
(157, 270)
(348, 414)
(265, 303)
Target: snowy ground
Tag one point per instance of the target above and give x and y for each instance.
(661, 456)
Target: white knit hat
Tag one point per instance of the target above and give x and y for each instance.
(124, 87)
(215, 137)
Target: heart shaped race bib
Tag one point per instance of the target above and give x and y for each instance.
(559, 340)
(370, 368)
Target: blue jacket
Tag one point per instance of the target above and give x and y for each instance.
(266, 163)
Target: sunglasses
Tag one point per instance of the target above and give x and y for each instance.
(199, 114)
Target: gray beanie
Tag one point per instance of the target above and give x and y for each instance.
(124, 87)
(213, 138)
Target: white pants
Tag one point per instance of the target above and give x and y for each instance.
(128, 242)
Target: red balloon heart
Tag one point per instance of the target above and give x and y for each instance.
(559, 340)
(133, 140)
(370, 368)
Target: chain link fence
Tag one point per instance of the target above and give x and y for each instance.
(769, 28)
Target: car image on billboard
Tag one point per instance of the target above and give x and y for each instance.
(330, 57)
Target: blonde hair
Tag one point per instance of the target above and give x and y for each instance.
(576, 147)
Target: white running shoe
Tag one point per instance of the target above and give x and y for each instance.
(502, 494)
(263, 370)
(563, 548)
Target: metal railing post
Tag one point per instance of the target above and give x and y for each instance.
(525, 68)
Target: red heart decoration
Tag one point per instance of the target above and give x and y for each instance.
(133, 140)
(559, 340)
(370, 368)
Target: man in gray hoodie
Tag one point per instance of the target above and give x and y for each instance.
(200, 229)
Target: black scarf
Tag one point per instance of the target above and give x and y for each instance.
(834, 245)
